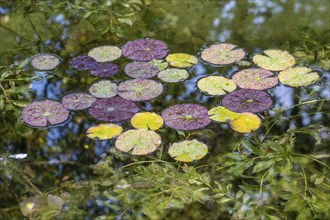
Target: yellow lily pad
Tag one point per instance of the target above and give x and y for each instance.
(187, 151)
(181, 60)
(275, 60)
(104, 131)
(245, 123)
(147, 120)
(222, 114)
(298, 76)
(216, 85)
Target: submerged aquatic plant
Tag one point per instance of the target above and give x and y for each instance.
(298, 76)
(141, 70)
(104, 131)
(181, 60)
(186, 117)
(77, 101)
(113, 109)
(274, 60)
(104, 69)
(222, 54)
(147, 120)
(173, 75)
(45, 61)
(83, 62)
(44, 113)
(105, 53)
(188, 151)
(216, 85)
(245, 123)
(103, 89)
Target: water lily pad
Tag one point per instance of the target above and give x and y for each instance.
(139, 89)
(275, 60)
(145, 49)
(77, 101)
(103, 89)
(298, 76)
(186, 117)
(147, 120)
(141, 70)
(113, 109)
(247, 100)
(187, 151)
(222, 53)
(82, 62)
(104, 69)
(255, 78)
(181, 60)
(140, 141)
(45, 61)
(216, 85)
(105, 53)
(222, 114)
(161, 64)
(245, 123)
(104, 131)
(173, 75)
(42, 113)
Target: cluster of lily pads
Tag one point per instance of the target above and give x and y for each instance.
(243, 94)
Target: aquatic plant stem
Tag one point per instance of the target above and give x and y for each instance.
(5, 94)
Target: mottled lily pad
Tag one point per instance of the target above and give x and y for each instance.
(186, 117)
(255, 78)
(82, 62)
(139, 89)
(216, 85)
(181, 60)
(161, 64)
(42, 113)
(247, 100)
(187, 151)
(45, 61)
(104, 131)
(145, 49)
(140, 141)
(222, 114)
(222, 53)
(245, 123)
(104, 69)
(298, 76)
(113, 109)
(173, 75)
(141, 70)
(105, 53)
(275, 60)
(77, 101)
(103, 89)
(147, 120)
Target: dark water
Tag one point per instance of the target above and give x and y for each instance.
(55, 154)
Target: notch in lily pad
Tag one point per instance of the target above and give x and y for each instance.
(140, 89)
(186, 117)
(141, 70)
(222, 54)
(245, 123)
(274, 60)
(298, 76)
(216, 85)
(147, 120)
(105, 53)
(103, 89)
(45, 61)
(77, 101)
(104, 131)
(247, 100)
(222, 114)
(181, 60)
(140, 141)
(173, 75)
(44, 113)
(145, 49)
(188, 151)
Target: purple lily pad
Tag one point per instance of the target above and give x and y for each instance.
(186, 117)
(141, 70)
(247, 100)
(83, 62)
(42, 113)
(114, 109)
(145, 49)
(140, 89)
(78, 101)
(255, 78)
(104, 69)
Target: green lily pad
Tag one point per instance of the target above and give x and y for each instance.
(216, 85)
(104, 131)
(161, 64)
(103, 89)
(181, 60)
(222, 114)
(173, 75)
(105, 53)
(147, 120)
(298, 76)
(222, 54)
(275, 60)
(187, 151)
(140, 141)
